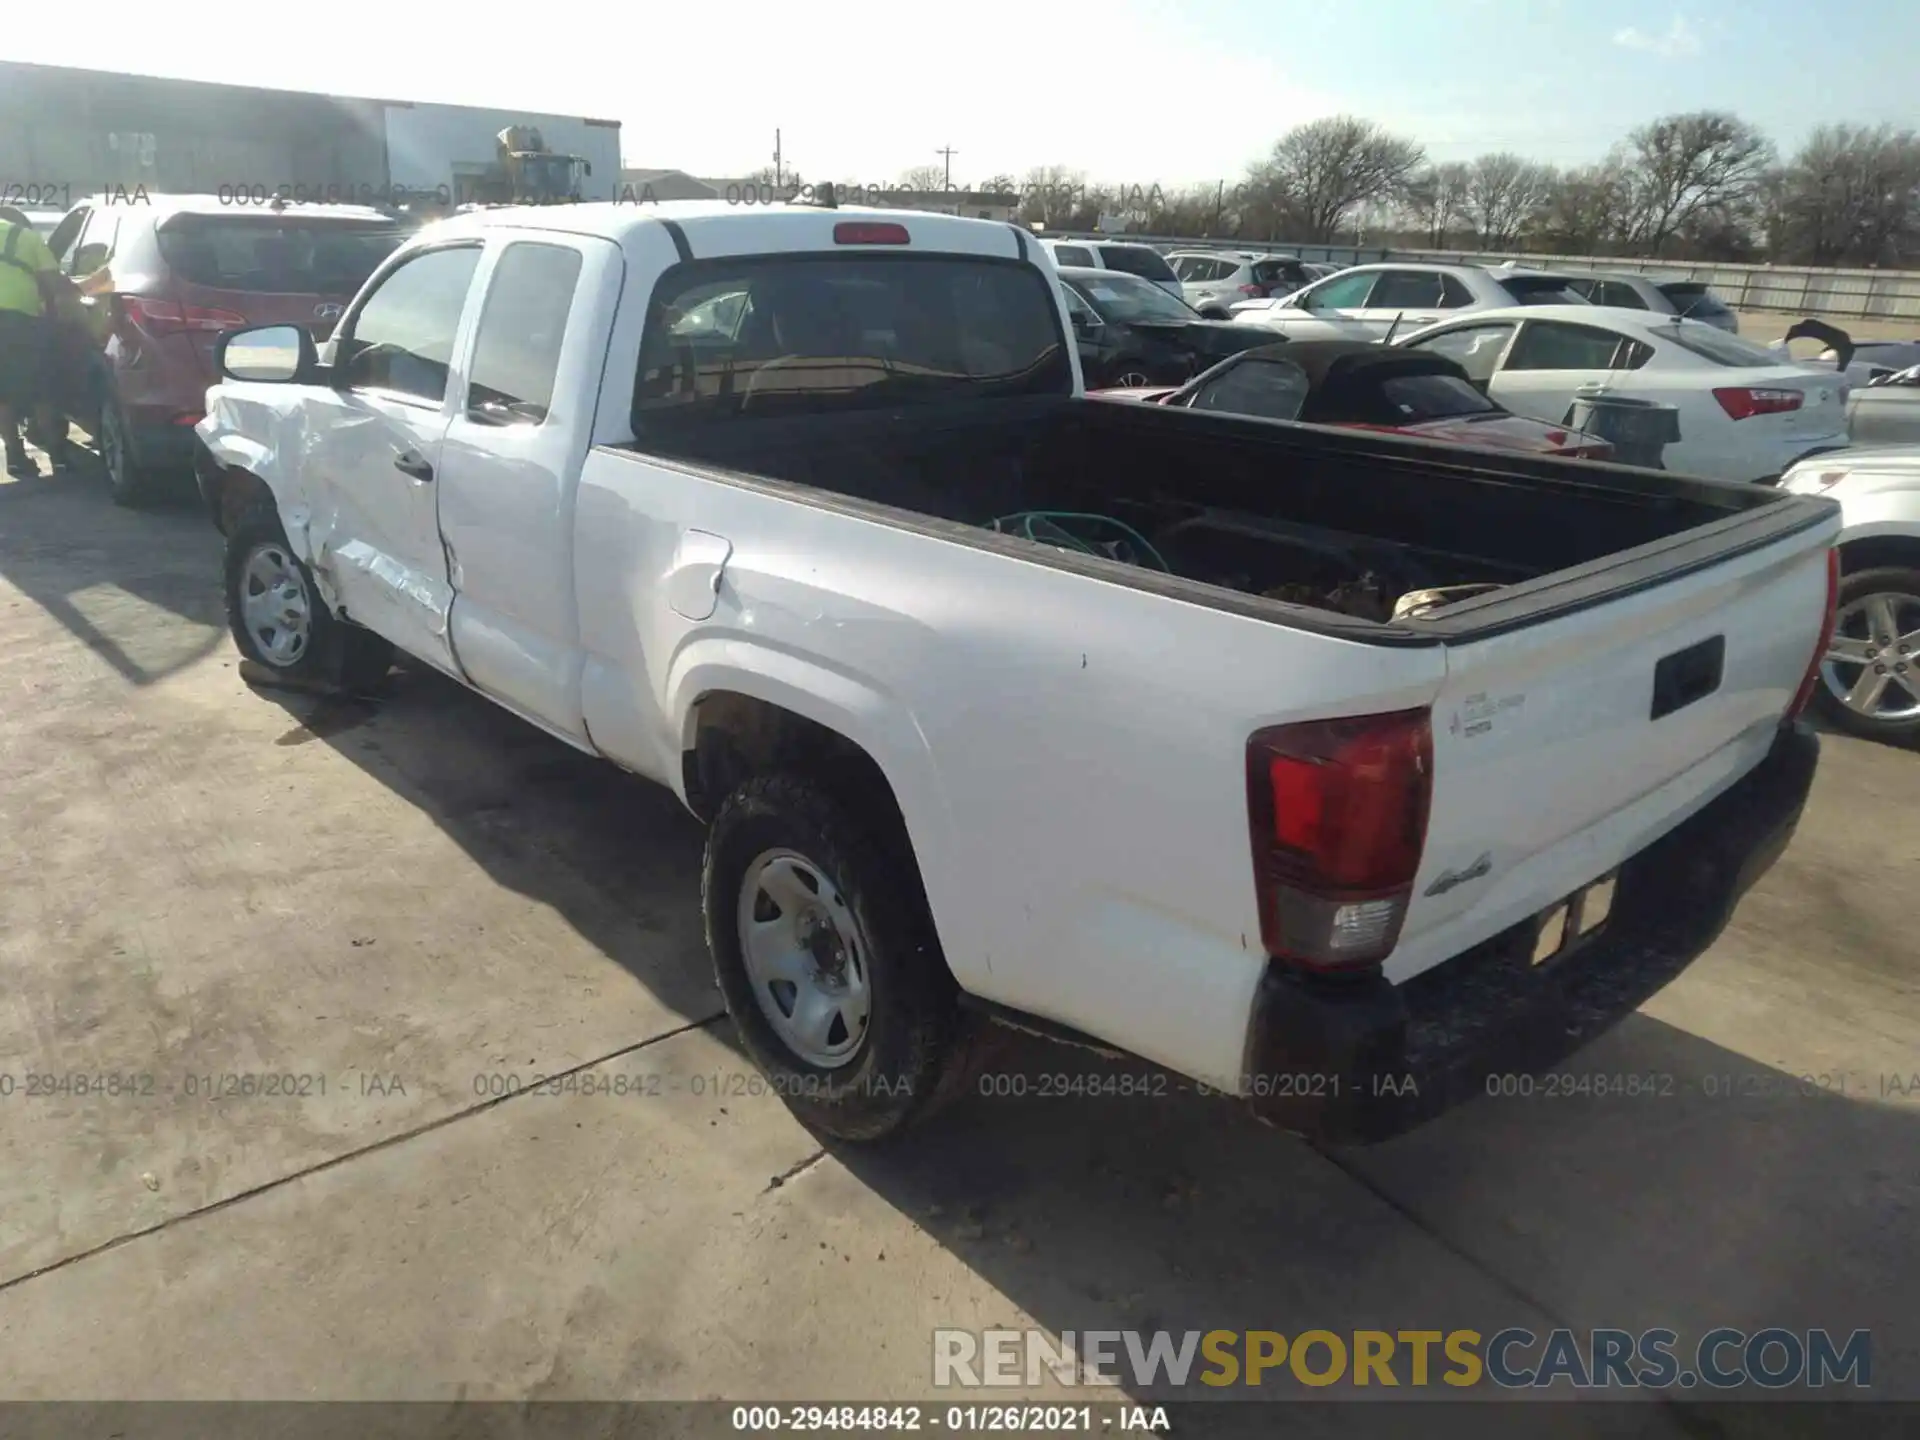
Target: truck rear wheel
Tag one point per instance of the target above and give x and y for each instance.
(281, 622)
(1870, 677)
(826, 954)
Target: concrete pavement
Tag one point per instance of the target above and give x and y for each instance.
(404, 911)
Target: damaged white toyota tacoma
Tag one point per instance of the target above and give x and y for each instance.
(1331, 769)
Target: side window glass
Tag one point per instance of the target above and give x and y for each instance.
(402, 336)
(1453, 294)
(1073, 255)
(1270, 389)
(1632, 355)
(1405, 289)
(517, 352)
(1345, 292)
(1549, 345)
(1475, 348)
(61, 241)
(96, 242)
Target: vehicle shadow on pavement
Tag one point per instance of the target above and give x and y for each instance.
(90, 589)
(615, 856)
(1724, 1197)
(1727, 1198)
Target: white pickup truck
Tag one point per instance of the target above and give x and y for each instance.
(1139, 727)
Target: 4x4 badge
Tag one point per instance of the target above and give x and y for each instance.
(1479, 868)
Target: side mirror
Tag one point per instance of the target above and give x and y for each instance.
(269, 354)
(1085, 324)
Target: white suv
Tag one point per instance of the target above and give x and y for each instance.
(1214, 280)
(1141, 260)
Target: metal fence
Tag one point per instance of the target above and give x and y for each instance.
(1888, 295)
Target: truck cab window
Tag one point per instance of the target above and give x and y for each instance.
(763, 335)
(401, 338)
(517, 352)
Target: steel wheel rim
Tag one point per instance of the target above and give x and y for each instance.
(1133, 378)
(1873, 665)
(113, 446)
(806, 958)
(274, 604)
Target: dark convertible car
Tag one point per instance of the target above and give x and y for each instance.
(1131, 332)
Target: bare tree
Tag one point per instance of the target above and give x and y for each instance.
(1435, 201)
(1054, 196)
(1852, 195)
(924, 177)
(1682, 165)
(1323, 170)
(1584, 212)
(1504, 195)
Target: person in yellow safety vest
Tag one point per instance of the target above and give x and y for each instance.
(29, 279)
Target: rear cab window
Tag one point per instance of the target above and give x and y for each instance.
(824, 333)
(1073, 255)
(276, 254)
(1136, 260)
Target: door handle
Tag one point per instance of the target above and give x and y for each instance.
(409, 462)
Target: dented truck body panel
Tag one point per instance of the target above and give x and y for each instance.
(1066, 742)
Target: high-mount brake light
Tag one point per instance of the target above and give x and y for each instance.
(870, 232)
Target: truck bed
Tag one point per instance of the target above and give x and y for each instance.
(1308, 525)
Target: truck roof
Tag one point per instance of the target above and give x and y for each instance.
(719, 227)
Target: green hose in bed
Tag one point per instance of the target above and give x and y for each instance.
(1072, 530)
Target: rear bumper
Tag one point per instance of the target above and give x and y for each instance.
(1359, 1061)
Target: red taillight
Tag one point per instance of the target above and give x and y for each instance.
(1743, 402)
(870, 232)
(1258, 292)
(1338, 810)
(1805, 694)
(166, 317)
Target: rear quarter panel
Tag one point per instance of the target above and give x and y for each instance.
(1069, 753)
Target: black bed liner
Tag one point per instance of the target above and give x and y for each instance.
(1581, 532)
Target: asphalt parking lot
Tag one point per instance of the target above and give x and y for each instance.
(404, 910)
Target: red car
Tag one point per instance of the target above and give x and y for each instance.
(1363, 386)
(176, 270)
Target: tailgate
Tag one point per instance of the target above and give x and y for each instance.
(1562, 748)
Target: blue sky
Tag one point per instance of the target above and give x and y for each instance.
(1127, 90)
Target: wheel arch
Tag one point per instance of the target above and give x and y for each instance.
(1884, 548)
(736, 725)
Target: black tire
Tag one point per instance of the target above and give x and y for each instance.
(129, 482)
(912, 1056)
(335, 655)
(1893, 580)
